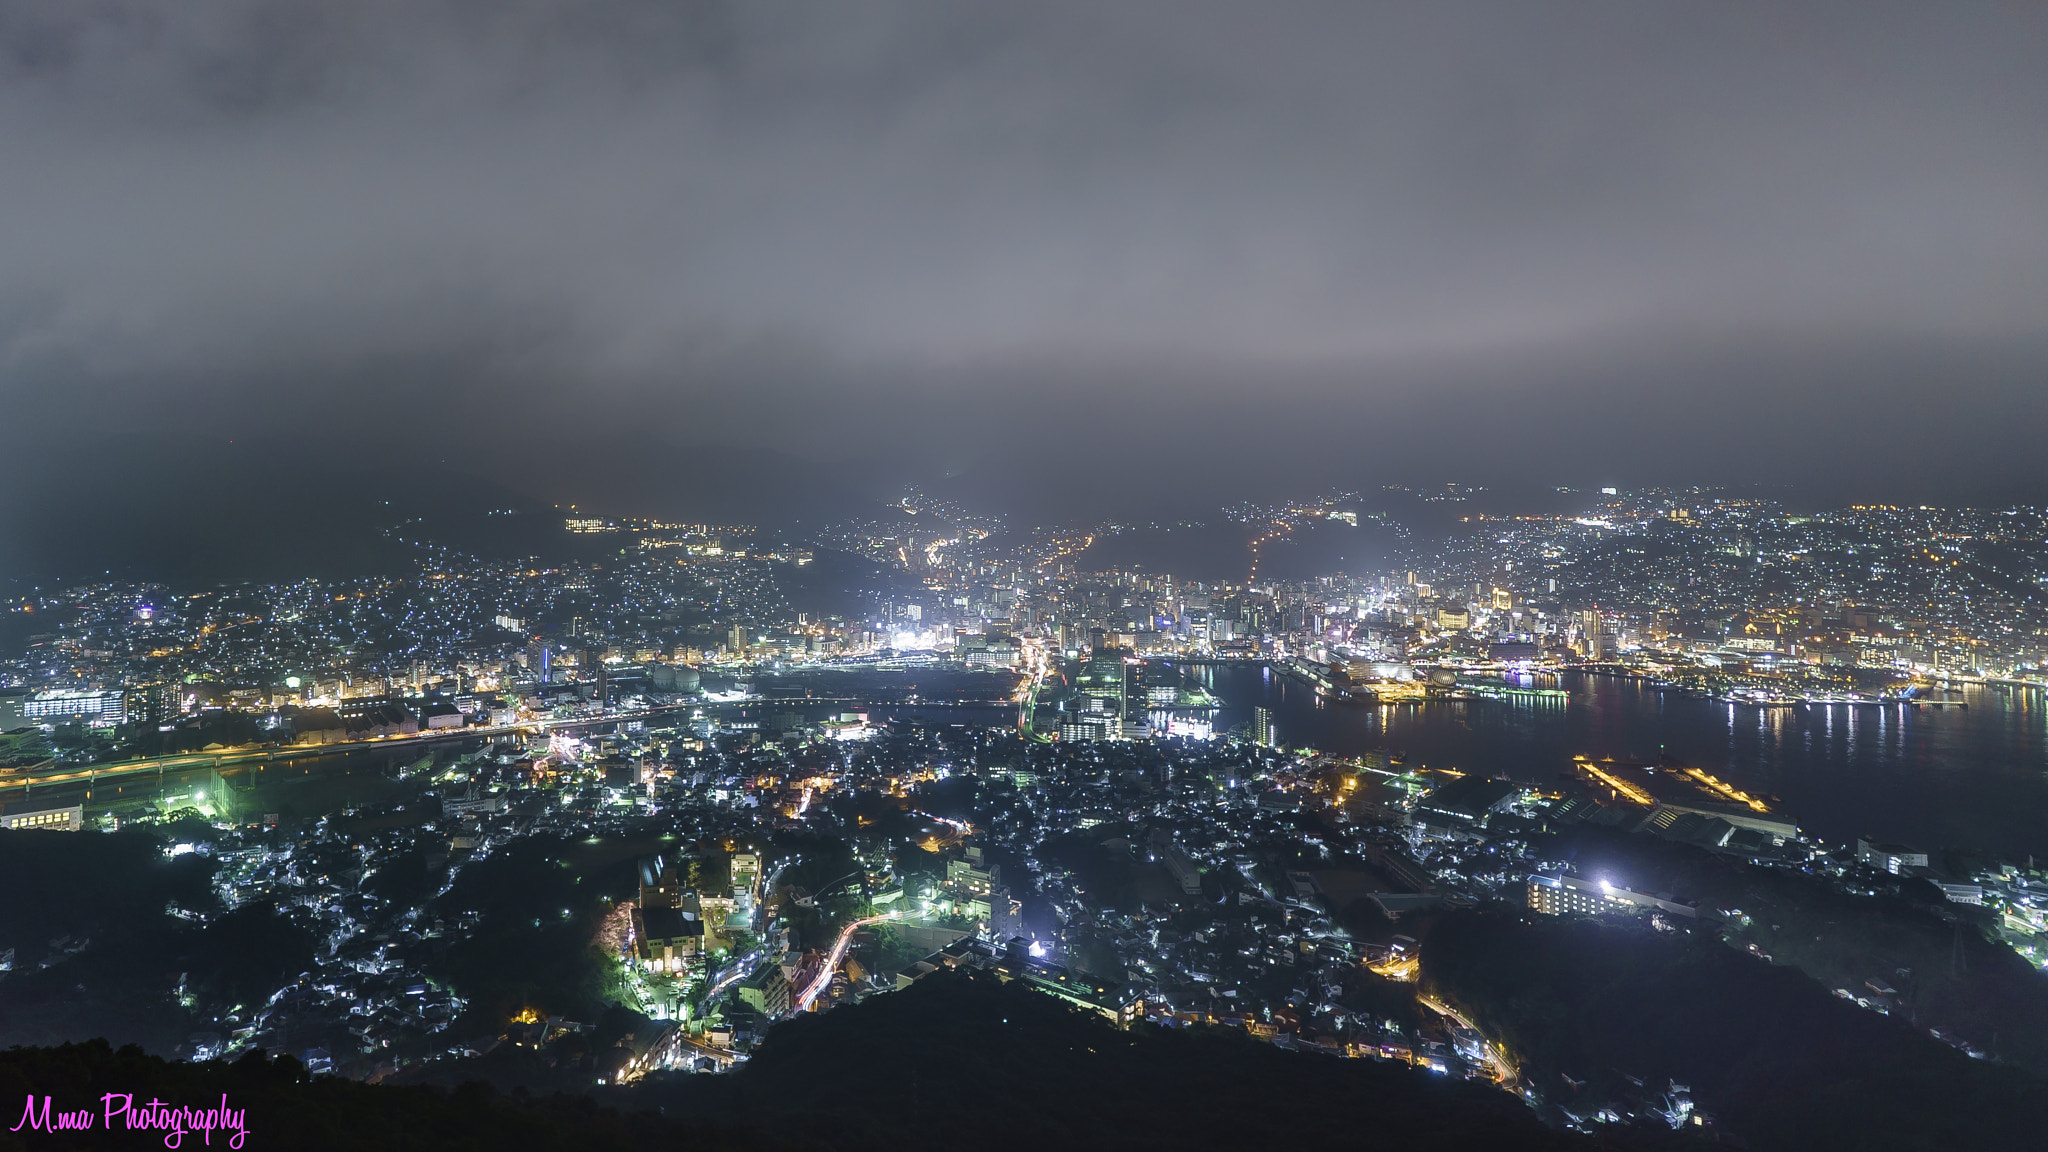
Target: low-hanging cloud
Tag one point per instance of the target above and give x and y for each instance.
(896, 217)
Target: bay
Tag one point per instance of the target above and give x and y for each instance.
(1974, 779)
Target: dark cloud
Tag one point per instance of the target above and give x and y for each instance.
(1567, 237)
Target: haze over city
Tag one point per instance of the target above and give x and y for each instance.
(604, 250)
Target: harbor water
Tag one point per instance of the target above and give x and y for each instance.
(1974, 778)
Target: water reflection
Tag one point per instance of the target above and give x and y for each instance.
(1974, 778)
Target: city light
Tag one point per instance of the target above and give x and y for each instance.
(963, 735)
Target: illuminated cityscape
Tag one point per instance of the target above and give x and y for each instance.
(763, 796)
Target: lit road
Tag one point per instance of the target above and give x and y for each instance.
(94, 773)
(675, 1045)
(824, 979)
(1503, 1070)
(1027, 704)
(732, 973)
(1027, 700)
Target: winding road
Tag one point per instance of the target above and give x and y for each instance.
(824, 978)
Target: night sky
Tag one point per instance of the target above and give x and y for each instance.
(692, 257)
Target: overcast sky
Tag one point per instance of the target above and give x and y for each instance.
(1572, 242)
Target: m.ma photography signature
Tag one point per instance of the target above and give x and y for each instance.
(119, 1111)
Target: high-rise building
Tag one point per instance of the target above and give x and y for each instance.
(1100, 688)
(599, 676)
(659, 886)
(1087, 727)
(745, 870)
(151, 703)
(14, 707)
(1597, 641)
(1262, 727)
(70, 819)
(1554, 894)
(100, 709)
(1888, 857)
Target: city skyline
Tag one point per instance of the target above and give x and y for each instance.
(614, 817)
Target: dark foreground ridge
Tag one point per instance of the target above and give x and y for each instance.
(958, 1058)
(961, 1057)
(277, 1106)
